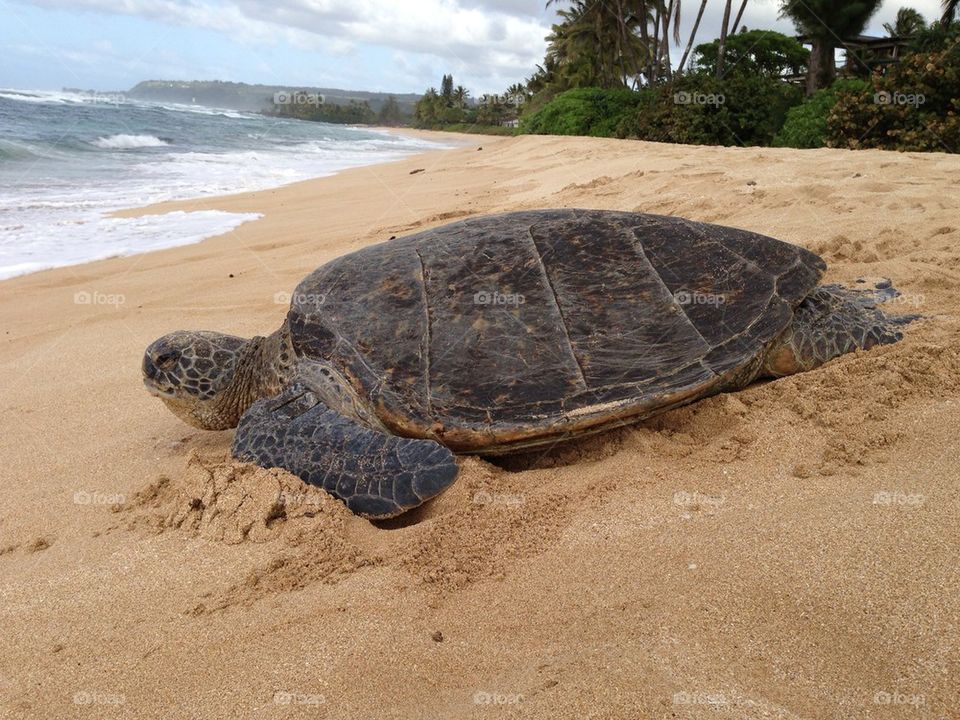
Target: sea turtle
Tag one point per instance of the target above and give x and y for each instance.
(504, 333)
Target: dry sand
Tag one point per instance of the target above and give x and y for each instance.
(790, 551)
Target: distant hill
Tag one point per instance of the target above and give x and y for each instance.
(241, 96)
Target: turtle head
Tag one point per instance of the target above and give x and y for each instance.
(196, 376)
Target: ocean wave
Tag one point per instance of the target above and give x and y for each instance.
(35, 97)
(10, 150)
(61, 97)
(204, 110)
(127, 142)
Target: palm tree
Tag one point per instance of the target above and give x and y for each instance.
(949, 11)
(908, 22)
(460, 95)
(656, 39)
(595, 44)
(723, 36)
(517, 95)
(671, 13)
(736, 23)
(827, 23)
(693, 35)
(614, 43)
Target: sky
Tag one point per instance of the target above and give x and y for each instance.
(378, 45)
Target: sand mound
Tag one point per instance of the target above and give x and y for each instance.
(231, 502)
(490, 518)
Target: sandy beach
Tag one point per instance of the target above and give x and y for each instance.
(789, 551)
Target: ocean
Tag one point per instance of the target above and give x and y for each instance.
(68, 159)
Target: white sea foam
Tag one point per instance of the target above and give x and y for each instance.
(126, 142)
(57, 189)
(102, 237)
(34, 97)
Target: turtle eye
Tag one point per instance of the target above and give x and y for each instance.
(167, 360)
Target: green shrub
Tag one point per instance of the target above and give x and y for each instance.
(935, 37)
(806, 124)
(915, 106)
(701, 109)
(584, 111)
(478, 129)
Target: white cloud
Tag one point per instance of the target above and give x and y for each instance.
(487, 41)
(487, 44)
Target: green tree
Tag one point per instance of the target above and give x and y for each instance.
(610, 43)
(949, 11)
(459, 97)
(827, 23)
(754, 52)
(390, 113)
(446, 88)
(909, 22)
(426, 110)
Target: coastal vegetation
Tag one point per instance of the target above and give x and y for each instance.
(609, 71)
(620, 68)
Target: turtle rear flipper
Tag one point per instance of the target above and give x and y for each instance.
(376, 474)
(834, 320)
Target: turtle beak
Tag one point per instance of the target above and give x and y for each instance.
(155, 391)
(151, 376)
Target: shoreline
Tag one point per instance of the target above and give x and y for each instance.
(203, 203)
(240, 198)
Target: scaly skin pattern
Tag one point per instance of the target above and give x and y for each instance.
(209, 379)
(375, 473)
(833, 321)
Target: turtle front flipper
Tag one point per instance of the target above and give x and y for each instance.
(376, 474)
(834, 320)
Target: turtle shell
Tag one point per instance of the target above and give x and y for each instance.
(508, 331)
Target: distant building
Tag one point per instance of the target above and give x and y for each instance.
(862, 54)
(515, 123)
(874, 51)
